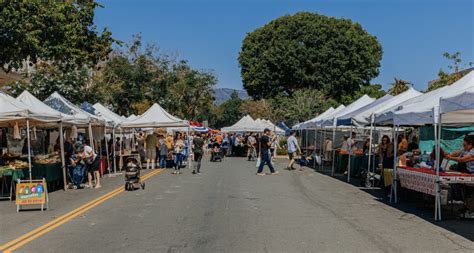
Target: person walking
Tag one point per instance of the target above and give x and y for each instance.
(198, 148)
(265, 157)
(141, 146)
(293, 149)
(150, 145)
(163, 151)
(178, 153)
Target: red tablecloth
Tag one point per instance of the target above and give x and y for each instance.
(424, 180)
(430, 171)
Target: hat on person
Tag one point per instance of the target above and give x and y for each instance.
(266, 130)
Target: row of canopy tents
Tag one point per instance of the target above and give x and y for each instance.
(58, 112)
(451, 104)
(248, 124)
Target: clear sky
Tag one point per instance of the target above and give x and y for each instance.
(208, 33)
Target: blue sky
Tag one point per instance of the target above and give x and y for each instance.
(208, 33)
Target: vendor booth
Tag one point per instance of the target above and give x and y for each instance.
(17, 157)
(155, 117)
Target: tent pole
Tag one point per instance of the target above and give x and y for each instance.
(315, 142)
(438, 166)
(120, 152)
(63, 157)
(350, 155)
(373, 157)
(370, 150)
(114, 153)
(306, 140)
(393, 188)
(323, 144)
(189, 148)
(106, 149)
(333, 150)
(29, 146)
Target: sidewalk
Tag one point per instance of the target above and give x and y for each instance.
(14, 224)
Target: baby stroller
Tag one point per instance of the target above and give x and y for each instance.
(77, 175)
(216, 154)
(132, 175)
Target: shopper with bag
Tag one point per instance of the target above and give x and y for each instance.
(265, 156)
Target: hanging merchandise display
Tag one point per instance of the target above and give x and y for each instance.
(74, 132)
(16, 132)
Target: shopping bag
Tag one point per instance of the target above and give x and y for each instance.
(258, 162)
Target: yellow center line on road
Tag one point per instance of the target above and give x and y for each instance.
(30, 236)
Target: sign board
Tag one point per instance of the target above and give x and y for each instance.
(32, 192)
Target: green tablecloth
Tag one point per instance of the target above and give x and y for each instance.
(52, 172)
(15, 174)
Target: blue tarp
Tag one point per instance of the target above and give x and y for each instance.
(283, 126)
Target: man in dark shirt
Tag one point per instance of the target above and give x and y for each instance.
(198, 144)
(265, 157)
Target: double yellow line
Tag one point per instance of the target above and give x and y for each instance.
(32, 235)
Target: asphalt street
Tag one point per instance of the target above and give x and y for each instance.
(228, 208)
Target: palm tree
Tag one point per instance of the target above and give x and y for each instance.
(399, 86)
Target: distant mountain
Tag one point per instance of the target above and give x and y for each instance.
(223, 94)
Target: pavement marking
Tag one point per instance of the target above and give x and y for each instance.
(30, 236)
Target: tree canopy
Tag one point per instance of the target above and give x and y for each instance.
(399, 86)
(308, 50)
(62, 32)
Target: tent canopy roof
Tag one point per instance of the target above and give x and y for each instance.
(155, 116)
(361, 102)
(107, 114)
(358, 116)
(423, 109)
(458, 108)
(59, 103)
(13, 109)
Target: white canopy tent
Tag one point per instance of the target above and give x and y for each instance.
(458, 109)
(131, 117)
(155, 117)
(245, 124)
(61, 104)
(359, 103)
(359, 116)
(423, 109)
(15, 110)
(263, 123)
(316, 122)
(307, 123)
(28, 99)
(384, 114)
(108, 114)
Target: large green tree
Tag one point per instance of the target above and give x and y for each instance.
(304, 104)
(229, 112)
(53, 31)
(136, 77)
(55, 43)
(308, 50)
